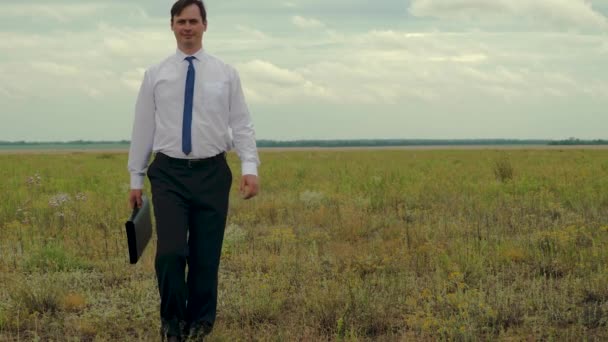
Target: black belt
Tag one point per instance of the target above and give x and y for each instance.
(190, 162)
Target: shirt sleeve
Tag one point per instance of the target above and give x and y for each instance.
(243, 133)
(142, 137)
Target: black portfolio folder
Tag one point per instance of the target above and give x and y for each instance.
(139, 230)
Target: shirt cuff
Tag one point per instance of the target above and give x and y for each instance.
(249, 168)
(137, 181)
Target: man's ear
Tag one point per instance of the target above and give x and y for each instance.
(205, 26)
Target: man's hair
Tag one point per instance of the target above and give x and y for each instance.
(180, 5)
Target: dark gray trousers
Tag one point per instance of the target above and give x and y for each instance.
(190, 200)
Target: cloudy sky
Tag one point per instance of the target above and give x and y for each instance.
(319, 69)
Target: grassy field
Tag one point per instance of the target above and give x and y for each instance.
(340, 245)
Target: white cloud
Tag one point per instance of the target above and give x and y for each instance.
(10, 40)
(136, 42)
(105, 62)
(557, 13)
(252, 32)
(55, 69)
(268, 83)
(58, 12)
(4, 93)
(597, 90)
(118, 45)
(390, 67)
(464, 58)
(306, 23)
(407, 69)
(132, 78)
(375, 67)
(93, 92)
(268, 72)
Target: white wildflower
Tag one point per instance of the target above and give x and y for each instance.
(311, 197)
(34, 180)
(59, 199)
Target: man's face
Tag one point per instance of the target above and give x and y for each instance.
(188, 27)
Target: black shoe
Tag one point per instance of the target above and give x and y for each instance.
(170, 338)
(172, 331)
(198, 331)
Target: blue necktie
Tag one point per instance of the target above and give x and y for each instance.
(189, 95)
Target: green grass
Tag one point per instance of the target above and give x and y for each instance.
(340, 245)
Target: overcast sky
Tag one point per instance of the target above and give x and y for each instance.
(319, 69)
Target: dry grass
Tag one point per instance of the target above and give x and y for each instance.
(340, 245)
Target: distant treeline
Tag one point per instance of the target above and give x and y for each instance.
(574, 141)
(344, 143)
(396, 142)
(73, 142)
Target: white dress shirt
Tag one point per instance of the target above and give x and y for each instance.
(220, 117)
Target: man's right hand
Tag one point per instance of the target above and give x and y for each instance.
(135, 198)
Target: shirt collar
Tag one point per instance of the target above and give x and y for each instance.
(180, 55)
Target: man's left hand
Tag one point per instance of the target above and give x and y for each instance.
(249, 186)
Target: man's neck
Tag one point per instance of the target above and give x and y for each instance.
(190, 50)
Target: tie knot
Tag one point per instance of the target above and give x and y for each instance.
(189, 59)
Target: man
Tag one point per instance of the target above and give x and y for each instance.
(190, 110)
